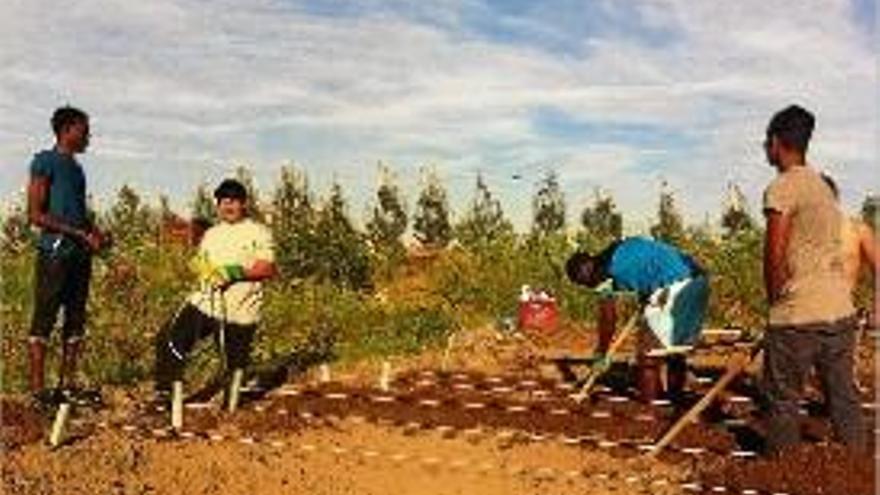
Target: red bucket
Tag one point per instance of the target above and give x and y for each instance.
(538, 315)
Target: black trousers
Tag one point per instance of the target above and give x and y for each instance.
(789, 354)
(62, 281)
(176, 340)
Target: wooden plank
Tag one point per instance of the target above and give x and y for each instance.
(737, 364)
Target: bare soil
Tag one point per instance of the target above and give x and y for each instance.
(451, 422)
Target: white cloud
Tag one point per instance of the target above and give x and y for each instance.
(179, 89)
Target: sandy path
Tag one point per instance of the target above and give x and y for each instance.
(353, 458)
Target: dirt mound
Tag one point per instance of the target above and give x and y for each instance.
(19, 424)
(808, 469)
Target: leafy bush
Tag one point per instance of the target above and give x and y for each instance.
(329, 290)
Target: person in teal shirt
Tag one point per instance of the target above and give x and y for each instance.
(670, 285)
(57, 205)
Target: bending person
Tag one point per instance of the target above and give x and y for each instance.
(672, 289)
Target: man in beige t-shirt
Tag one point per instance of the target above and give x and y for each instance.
(811, 321)
(234, 258)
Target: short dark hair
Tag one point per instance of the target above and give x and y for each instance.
(831, 185)
(67, 116)
(574, 267)
(793, 126)
(231, 189)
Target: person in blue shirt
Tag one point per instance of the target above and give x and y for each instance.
(57, 205)
(670, 285)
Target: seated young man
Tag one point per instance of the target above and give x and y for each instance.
(673, 290)
(234, 258)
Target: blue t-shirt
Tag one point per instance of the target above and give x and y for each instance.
(66, 195)
(643, 265)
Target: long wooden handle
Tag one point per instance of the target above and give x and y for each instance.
(609, 354)
(739, 363)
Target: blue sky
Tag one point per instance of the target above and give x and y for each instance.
(615, 95)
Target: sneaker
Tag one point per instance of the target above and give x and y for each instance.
(46, 400)
(82, 397)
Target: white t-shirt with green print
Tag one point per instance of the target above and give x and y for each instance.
(241, 243)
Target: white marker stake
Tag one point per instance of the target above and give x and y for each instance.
(177, 405)
(58, 425)
(324, 373)
(235, 389)
(385, 377)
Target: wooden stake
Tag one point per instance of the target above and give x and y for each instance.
(612, 349)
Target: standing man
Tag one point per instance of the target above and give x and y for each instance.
(234, 259)
(673, 291)
(57, 205)
(811, 321)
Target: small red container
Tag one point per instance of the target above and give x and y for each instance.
(538, 315)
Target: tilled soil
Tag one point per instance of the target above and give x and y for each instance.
(19, 424)
(433, 431)
(807, 469)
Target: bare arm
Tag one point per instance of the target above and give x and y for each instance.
(868, 252)
(261, 270)
(778, 226)
(38, 202)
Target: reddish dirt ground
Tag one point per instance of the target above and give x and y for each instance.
(500, 427)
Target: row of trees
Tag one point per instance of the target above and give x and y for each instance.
(475, 266)
(317, 238)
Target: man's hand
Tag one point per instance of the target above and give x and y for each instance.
(217, 277)
(96, 240)
(601, 362)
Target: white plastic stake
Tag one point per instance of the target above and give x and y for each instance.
(385, 377)
(177, 405)
(58, 425)
(325, 373)
(235, 389)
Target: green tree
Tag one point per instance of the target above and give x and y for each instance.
(129, 220)
(203, 205)
(165, 212)
(293, 225)
(484, 221)
(669, 227)
(17, 234)
(548, 207)
(431, 226)
(342, 255)
(244, 175)
(736, 219)
(871, 211)
(389, 219)
(602, 224)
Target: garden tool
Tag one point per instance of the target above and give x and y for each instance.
(736, 366)
(602, 365)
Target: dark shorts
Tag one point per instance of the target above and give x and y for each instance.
(61, 281)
